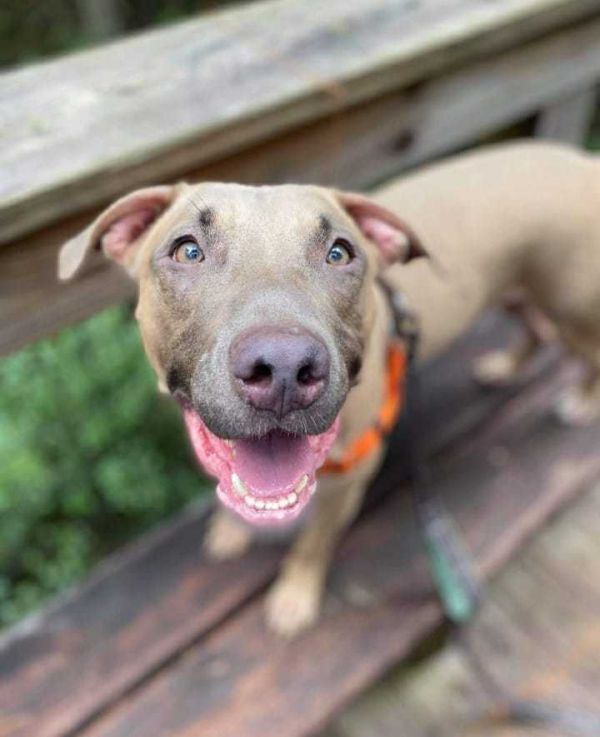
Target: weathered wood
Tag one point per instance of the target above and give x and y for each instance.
(145, 607)
(77, 131)
(33, 304)
(537, 634)
(361, 145)
(502, 90)
(354, 149)
(139, 610)
(242, 681)
(568, 119)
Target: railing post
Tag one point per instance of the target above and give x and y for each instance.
(569, 118)
(101, 19)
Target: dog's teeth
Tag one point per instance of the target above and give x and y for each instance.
(271, 506)
(228, 443)
(238, 485)
(302, 483)
(259, 504)
(292, 498)
(283, 503)
(250, 500)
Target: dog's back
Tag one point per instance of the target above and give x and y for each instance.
(517, 215)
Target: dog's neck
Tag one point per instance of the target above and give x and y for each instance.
(361, 409)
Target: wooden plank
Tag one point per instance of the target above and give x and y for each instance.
(146, 606)
(77, 131)
(242, 681)
(537, 634)
(33, 304)
(139, 610)
(569, 118)
(502, 90)
(354, 149)
(363, 145)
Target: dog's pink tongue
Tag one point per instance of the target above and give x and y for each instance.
(273, 463)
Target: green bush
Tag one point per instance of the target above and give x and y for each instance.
(90, 455)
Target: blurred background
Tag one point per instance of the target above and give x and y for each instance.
(88, 388)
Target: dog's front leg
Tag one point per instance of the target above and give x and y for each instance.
(226, 536)
(294, 601)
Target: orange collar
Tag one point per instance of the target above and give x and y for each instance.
(372, 438)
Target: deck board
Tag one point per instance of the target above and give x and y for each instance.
(539, 633)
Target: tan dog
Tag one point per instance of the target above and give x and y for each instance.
(260, 312)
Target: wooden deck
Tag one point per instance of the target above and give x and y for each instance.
(538, 633)
(161, 643)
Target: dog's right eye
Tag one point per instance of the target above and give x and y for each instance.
(340, 254)
(187, 252)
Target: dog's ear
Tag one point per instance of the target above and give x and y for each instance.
(118, 229)
(396, 240)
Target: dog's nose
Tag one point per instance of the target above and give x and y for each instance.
(279, 370)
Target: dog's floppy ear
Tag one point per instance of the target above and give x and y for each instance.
(396, 240)
(117, 229)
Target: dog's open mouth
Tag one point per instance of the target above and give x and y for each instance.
(265, 480)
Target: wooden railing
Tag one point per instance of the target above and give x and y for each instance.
(347, 92)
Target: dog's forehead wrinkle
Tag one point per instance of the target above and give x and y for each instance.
(194, 204)
(325, 227)
(206, 217)
(267, 213)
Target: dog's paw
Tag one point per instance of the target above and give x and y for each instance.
(496, 368)
(292, 606)
(226, 538)
(574, 408)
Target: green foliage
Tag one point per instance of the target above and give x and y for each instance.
(30, 29)
(90, 455)
(34, 29)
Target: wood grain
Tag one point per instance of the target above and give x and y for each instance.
(538, 634)
(353, 149)
(77, 131)
(137, 612)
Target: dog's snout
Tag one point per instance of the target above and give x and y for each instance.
(279, 370)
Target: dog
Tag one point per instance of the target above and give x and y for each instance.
(261, 312)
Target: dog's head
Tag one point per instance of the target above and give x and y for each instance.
(254, 307)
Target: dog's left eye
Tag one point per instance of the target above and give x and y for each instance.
(188, 252)
(340, 253)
